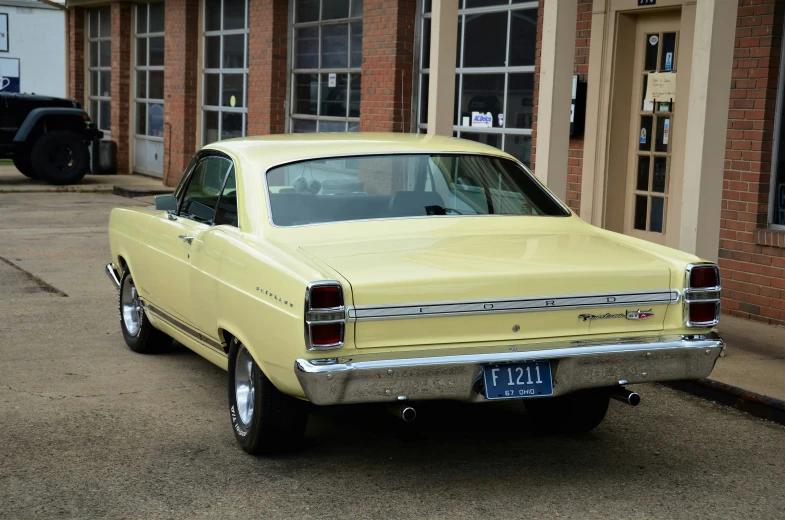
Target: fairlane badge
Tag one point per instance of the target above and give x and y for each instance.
(587, 317)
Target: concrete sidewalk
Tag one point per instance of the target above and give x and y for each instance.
(11, 181)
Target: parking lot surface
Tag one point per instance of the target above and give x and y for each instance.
(89, 429)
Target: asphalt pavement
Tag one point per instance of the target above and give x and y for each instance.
(89, 429)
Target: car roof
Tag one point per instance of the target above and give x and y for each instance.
(270, 150)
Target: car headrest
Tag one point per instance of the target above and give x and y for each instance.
(413, 203)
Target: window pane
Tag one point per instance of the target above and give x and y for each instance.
(303, 126)
(106, 54)
(306, 10)
(94, 111)
(355, 95)
(231, 125)
(491, 139)
(212, 16)
(94, 88)
(424, 99)
(332, 126)
(93, 54)
(668, 59)
(212, 89)
(640, 212)
(105, 119)
(234, 51)
(157, 17)
(141, 18)
(482, 93)
(357, 9)
(426, 6)
(335, 9)
(226, 212)
(233, 87)
(652, 47)
(663, 134)
(93, 31)
(357, 45)
(460, 39)
(234, 14)
(520, 101)
(106, 83)
(141, 118)
(484, 3)
(141, 84)
(660, 174)
(157, 51)
(210, 127)
(657, 210)
(644, 137)
(523, 32)
(643, 173)
(212, 52)
(486, 40)
(519, 146)
(335, 46)
(106, 22)
(333, 101)
(155, 115)
(425, 59)
(156, 86)
(306, 44)
(204, 187)
(141, 51)
(306, 93)
(353, 127)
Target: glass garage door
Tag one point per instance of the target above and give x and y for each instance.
(149, 81)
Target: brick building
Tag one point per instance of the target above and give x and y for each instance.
(164, 78)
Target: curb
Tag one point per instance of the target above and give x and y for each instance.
(59, 189)
(139, 192)
(752, 403)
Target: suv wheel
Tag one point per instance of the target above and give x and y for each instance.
(23, 162)
(60, 158)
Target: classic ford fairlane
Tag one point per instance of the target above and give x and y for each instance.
(381, 268)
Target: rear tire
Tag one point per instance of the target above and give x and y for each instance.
(265, 421)
(60, 158)
(138, 332)
(575, 413)
(24, 164)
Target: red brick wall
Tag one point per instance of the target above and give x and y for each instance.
(76, 54)
(180, 80)
(752, 259)
(267, 66)
(121, 83)
(582, 41)
(388, 53)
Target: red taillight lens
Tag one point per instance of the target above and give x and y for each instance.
(327, 334)
(703, 312)
(701, 277)
(326, 297)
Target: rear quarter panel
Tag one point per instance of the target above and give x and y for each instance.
(127, 228)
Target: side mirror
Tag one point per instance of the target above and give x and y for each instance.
(166, 202)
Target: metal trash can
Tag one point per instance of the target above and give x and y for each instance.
(104, 157)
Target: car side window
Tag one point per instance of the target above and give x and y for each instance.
(226, 212)
(204, 188)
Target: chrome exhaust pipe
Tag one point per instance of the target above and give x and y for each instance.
(623, 395)
(404, 412)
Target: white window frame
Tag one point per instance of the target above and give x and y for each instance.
(147, 68)
(352, 124)
(460, 71)
(98, 98)
(221, 71)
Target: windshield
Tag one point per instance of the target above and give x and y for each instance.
(395, 186)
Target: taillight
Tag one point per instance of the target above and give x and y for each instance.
(702, 295)
(325, 316)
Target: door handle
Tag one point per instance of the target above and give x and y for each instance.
(186, 238)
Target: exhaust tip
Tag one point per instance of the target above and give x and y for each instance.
(623, 395)
(634, 399)
(408, 413)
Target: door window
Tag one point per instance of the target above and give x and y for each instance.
(226, 212)
(204, 188)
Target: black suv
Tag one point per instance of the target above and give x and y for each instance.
(46, 137)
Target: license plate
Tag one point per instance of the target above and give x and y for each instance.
(517, 380)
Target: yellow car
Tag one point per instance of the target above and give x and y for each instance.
(395, 268)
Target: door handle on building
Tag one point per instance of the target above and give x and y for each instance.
(186, 238)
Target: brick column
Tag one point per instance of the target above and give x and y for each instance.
(76, 54)
(388, 52)
(267, 66)
(121, 83)
(180, 79)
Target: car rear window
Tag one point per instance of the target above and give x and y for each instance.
(400, 186)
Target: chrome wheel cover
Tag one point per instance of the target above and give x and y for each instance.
(243, 385)
(131, 307)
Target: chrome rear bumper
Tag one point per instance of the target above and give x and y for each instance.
(577, 365)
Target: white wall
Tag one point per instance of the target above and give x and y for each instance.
(37, 37)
